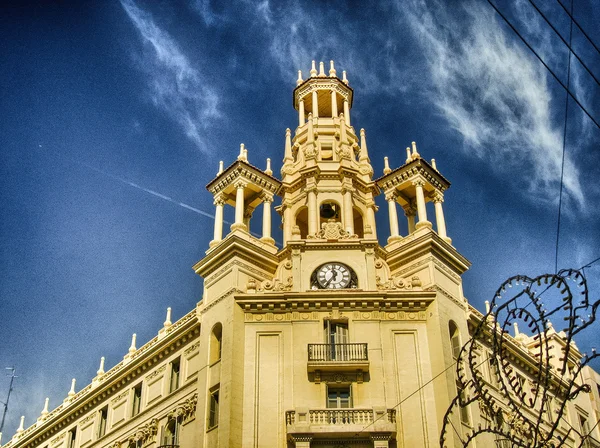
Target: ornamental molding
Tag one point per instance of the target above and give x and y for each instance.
(213, 274)
(449, 296)
(191, 348)
(58, 439)
(145, 432)
(322, 84)
(333, 230)
(222, 297)
(185, 411)
(446, 269)
(156, 372)
(119, 397)
(392, 315)
(397, 282)
(89, 418)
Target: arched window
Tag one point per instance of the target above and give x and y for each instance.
(302, 221)
(359, 227)
(454, 340)
(170, 436)
(215, 343)
(329, 210)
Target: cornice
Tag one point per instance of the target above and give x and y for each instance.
(411, 169)
(322, 82)
(240, 168)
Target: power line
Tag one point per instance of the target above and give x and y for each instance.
(544, 63)
(571, 51)
(10, 388)
(562, 165)
(579, 26)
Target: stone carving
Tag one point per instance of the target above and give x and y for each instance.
(276, 285)
(398, 283)
(333, 230)
(145, 432)
(185, 410)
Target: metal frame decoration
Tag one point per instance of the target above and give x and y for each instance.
(518, 410)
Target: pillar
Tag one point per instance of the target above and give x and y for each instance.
(394, 230)
(218, 230)
(266, 224)
(301, 113)
(313, 212)
(371, 218)
(334, 110)
(410, 212)
(239, 207)
(287, 223)
(315, 104)
(438, 199)
(347, 112)
(247, 216)
(421, 210)
(348, 212)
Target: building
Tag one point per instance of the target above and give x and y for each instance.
(330, 340)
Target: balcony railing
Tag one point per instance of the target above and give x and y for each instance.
(325, 417)
(337, 352)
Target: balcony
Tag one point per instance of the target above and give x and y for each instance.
(338, 357)
(341, 422)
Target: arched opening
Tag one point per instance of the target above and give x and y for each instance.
(170, 436)
(302, 221)
(359, 226)
(215, 343)
(329, 210)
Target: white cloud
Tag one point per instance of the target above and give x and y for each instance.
(494, 93)
(175, 85)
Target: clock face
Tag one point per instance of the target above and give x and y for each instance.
(333, 276)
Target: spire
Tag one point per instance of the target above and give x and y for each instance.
(268, 170)
(299, 80)
(408, 157)
(21, 427)
(313, 70)
(321, 69)
(101, 368)
(288, 158)
(220, 167)
(415, 154)
(364, 154)
(72, 391)
(45, 410)
(167, 323)
(132, 348)
(344, 79)
(332, 71)
(386, 166)
(243, 154)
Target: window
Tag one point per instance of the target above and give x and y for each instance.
(454, 340)
(213, 409)
(494, 372)
(336, 335)
(339, 397)
(103, 418)
(137, 400)
(216, 338)
(171, 432)
(72, 438)
(136, 444)
(175, 370)
(585, 428)
(464, 411)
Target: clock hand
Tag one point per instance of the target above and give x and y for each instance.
(333, 277)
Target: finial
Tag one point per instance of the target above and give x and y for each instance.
(332, 71)
(241, 156)
(45, 410)
(299, 80)
(516, 325)
(269, 171)
(344, 79)
(21, 427)
(386, 166)
(101, 368)
(220, 167)
(408, 158)
(313, 70)
(415, 154)
(487, 306)
(132, 348)
(0, 438)
(321, 69)
(364, 154)
(433, 165)
(287, 157)
(72, 391)
(167, 323)
(245, 155)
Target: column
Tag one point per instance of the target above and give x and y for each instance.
(287, 223)
(313, 212)
(394, 231)
(315, 104)
(371, 218)
(438, 199)
(334, 111)
(247, 215)
(218, 231)
(348, 212)
(239, 207)
(410, 212)
(421, 210)
(347, 112)
(301, 113)
(266, 224)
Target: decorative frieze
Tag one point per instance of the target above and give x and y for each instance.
(185, 410)
(119, 397)
(156, 372)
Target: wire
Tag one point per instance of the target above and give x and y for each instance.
(579, 26)
(562, 166)
(544, 64)
(590, 263)
(571, 51)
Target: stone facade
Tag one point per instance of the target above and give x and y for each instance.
(330, 340)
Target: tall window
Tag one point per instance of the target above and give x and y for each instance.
(137, 400)
(171, 432)
(72, 438)
(175, 372)
(454, 340)
(336, 334)
(103, 418)
(213, 409)
(215, 343)
(339, 397)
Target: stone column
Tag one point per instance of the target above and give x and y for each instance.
(301, 113)
(239, 207)
(347, 112)
(394, 230)
(218, 230)
(313, 212)
(287, 223)
(371, 218)
(348, 212)
(247, 215)
(334, 111)
(266, 224)
(315, 104)
(410, 213)
(438, 199)
(421, 210)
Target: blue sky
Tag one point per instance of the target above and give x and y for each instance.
(97, 96)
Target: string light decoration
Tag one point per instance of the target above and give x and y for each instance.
(524, 410)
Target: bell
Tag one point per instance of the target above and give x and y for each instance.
(328, 211)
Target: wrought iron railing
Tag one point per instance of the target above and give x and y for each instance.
(340, 416)
(338, 352)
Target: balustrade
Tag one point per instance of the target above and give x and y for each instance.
(338, 352)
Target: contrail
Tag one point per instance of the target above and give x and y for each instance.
(147, 190)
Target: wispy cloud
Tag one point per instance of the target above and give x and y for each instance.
(494, 93)
(176, 86)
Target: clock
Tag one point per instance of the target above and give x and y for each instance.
(334, 276)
